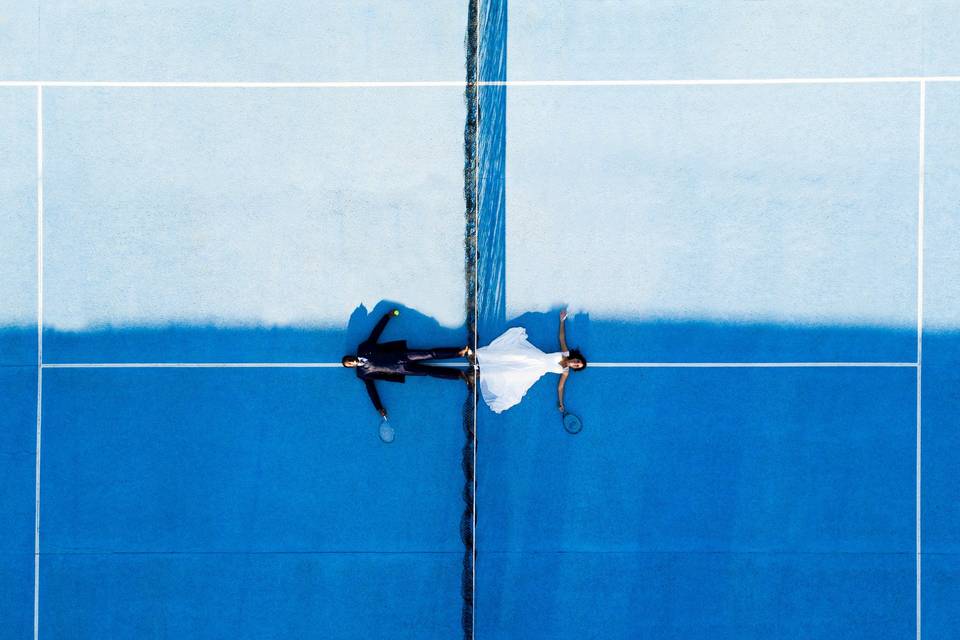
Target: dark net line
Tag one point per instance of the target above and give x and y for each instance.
(468, 452)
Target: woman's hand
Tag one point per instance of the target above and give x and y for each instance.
(561, 408)
(563, 315)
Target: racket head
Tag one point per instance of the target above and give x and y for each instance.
(571, 423)
(387, 432)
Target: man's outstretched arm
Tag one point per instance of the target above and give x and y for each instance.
(381, 325)
(375, 397)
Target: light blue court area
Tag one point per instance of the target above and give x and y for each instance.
(722, 39)
(18, 219)
(577, 39)
(941, 43)
(303, 40)
(265, 495)
(262, 213)
(772, 503)
(942, 219)
(19, 35)
(789, 208)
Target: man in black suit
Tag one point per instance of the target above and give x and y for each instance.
(393, 361)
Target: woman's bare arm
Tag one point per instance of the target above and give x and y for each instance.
(560, 385)
(563, 335)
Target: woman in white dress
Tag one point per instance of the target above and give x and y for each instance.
(510, 365)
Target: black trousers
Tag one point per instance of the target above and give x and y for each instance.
(437, 353)
(416, 356)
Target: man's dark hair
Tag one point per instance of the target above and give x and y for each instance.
(345, 359)
(575, 353)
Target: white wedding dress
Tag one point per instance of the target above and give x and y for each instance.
(510, 365)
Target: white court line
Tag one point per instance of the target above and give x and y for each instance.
(213, 365)
(36, 523)
(337, 365)
(722, 81)
(193, 365)
(230, 84)
(360, 84)
(425, 84)
(920, 215)
(748, 365)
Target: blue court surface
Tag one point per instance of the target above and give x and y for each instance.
(749, 209)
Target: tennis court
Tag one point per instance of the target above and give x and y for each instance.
(749, 208)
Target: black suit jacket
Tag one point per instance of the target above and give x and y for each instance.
(385, 361)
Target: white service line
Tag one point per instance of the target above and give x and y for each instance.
(337, 365)
(748, 365)
(920, 220)
(213, 365)
(192, 365)
(372, 84)
(39, 258)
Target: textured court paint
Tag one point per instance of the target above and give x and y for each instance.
(18, 39)
(18, 386)
(941, 373)
(941, 448)
(703, 503)
(161, 421)
(942, 223)
(18, 224)
(941, 37)
(16, 594)
(601, 340)
(609, 340)
(271, 208)
(746, 204)
(187, 343)
(189, 460)
(941, 590)
(667, 39)
(256, 597)
(814, 461)
(669, 596)
(293, 40)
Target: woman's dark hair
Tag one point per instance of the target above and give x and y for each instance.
(345, 359)
(575, 353)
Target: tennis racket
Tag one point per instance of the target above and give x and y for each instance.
(571, 423)
(387, 432)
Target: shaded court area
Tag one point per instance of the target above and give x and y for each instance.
(725, 502)
(257, 498)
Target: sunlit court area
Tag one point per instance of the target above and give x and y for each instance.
(479, 319)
